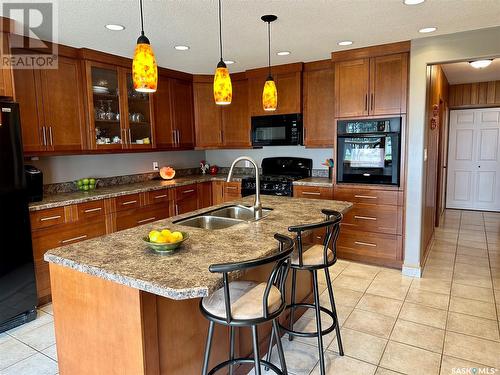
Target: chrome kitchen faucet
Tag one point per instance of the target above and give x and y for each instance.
(257, 206)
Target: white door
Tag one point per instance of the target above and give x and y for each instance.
(473, 160)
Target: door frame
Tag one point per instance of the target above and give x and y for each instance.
(442, 163)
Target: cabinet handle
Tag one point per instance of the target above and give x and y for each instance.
(174, 136)
(366, 102)
(44, 136)
(50, 136)
(129, 136)
(93, 210)
(188, 191)
(311, 193)
(176, 209)
(231, 188)
(178, 137)
(365, 244)
(371, 101)
(128, 202)
(73, 239)
(50, 218)
(365, 196)
(160, 196)
(365, 217)
(146, 220)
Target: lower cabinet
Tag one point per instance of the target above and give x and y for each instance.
(313, 192)
(186, 199)
(139, 216)
(225, 191)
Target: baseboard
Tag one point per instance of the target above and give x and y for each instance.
(412, 271)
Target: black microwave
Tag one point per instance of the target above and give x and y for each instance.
(277, 130)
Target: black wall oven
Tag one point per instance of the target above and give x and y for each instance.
(277, 130)
(369, 151)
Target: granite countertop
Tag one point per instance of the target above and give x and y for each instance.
(123, 258)
(65, 199)
(314, 181)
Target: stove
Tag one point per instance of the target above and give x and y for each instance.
(277, 177)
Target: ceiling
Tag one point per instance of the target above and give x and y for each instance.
(462, 72)
(310, 29)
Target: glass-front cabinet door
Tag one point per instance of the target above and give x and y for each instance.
(139, 116)
(105, 107)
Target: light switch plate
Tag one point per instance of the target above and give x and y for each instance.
(155, 166)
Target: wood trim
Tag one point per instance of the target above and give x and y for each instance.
(62, 50)
(373, 51)
(276, 69)
(104, 58)
(7, 24)
(318, 65)
(170, 73)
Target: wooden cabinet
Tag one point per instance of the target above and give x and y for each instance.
(371, 81)
(133, 217)
(6, 77)
(52, 111)
(205, 194)
(318, 100)
(225, 191)
(165, 136)
(477, 94)
(217, 192)
(288, 79)
(221, 126)
(186, 199)
(313, 192)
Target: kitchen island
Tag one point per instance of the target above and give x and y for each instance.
(121, 309)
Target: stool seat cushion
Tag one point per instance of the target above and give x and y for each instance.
(246, 299)
(313, 256)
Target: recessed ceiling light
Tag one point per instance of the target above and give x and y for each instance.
(229, 62)
(114, 27)
(427, 30)
(413, 2)
(283, 53)
(480, 64)
(345, 43)
(181, 48)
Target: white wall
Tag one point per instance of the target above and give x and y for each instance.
(439, 49)
(69, 168)
(224, 158)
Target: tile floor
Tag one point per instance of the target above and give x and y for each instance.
(444, 323)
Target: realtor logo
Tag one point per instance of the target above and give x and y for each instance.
(34, 23)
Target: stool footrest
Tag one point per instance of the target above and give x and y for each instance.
(310, 334)
(251, 361)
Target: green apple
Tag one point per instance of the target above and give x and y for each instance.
(92, 181)
(85, 187)
(79, 183)
(85, 181)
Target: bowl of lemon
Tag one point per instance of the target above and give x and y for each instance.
(165, 241)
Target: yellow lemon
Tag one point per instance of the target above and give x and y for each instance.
(153, 235)
(162, 239)
(166, 232)
(177, 236)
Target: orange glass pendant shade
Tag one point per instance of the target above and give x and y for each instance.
(270, 95)
(223, 90)
(144, 68)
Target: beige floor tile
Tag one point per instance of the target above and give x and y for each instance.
(462, 268)
(38, 338)
(383, 371)
(350, 282)
(442, 256)
(410, 360)
(345, 365)
(482, 281)
(343, 313)
(51, 352)
(308, 324)
(422, 297)
(370, 322)
(361, 270)
(454, 366)
(342, 296)
(472, 227)
(473, 260)
(472, 243)
(438, 273)
(450, 249)
(432, 285)
(300, 358)
(360, 345)
(13, 351)
(472, 307)
(472, 292)
(37, 364)
(424, 315)
(419, 335)
(380, 305)
(472, 325)
(472, 251)
(448, 264)
(496, 282)
(389, 288)
(472, 349)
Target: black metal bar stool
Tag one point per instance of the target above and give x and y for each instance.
(312, 259)
(248, 304)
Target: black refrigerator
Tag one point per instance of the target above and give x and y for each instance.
(18, 296)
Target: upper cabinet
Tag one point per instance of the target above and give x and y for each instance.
(221, 126)
(6, 84)
(288, 79)
(51, 110)
(371, 81)
(318, 101)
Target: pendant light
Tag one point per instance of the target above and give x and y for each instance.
(223, 90)
(144, 69)
(270, 93)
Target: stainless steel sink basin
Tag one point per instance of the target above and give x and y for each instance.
(238, 212)
(205, 221)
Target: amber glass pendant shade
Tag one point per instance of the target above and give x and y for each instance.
(223, 90)
(144, 68)
(270, 95)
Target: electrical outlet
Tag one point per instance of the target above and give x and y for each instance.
(247, 164)
(155, 166)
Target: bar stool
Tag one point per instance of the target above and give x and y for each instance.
(312, 259)
(248, 304)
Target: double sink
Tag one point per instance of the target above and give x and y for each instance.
(222, 218)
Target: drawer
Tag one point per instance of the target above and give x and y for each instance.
(47, 218)
(158, 196)
(313, 192)
(90, 210)
(186, 192)
(132, 218)
(233, 188)
(127, 202)
(370, 245)
(368, 196)
(374, 218)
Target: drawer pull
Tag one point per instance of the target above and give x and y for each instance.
(365, 196)
(73, 239)
(146, 220)
(311, 193)
(365, 243)
(160, 196)
(128, 202)
(50, 218)
(188, 191)
(365, 217)
(92, 210)
(231, 187)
